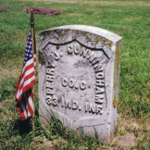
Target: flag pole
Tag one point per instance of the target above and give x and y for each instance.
(32, 36)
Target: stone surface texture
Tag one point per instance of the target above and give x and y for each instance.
(43, 11)
(79, 69)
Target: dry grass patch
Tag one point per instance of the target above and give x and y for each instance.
(130, 132)
(72, 15)
(12, 69)
(41, 143)
(125, 135)
(132, 19)
(4, 73)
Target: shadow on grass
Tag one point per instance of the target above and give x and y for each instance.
(24, 127)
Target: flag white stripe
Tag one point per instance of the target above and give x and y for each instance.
(20, 91)
(28, 81)
(26, 74)
(27, 64)
(28, 112)
(31, 103)
(25, 83)
(31, 70)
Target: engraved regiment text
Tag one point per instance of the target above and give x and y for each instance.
(51, 99)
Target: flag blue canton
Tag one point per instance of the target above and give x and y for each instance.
(28, 53)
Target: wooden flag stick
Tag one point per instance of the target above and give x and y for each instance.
(32, 36)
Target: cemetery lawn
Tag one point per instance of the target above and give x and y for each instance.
(128, 18)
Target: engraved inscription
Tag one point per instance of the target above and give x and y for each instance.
(71, 83)
(76, 84)
(49, 86)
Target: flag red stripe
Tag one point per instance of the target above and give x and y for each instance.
(24, 89)
(22, 115)
(32, 74)
(29, 107)
(23, 74)
(24, 79)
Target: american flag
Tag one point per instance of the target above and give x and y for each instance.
(24, 89)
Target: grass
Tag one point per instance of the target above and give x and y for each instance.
(129, 19)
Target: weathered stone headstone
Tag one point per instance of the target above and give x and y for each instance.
(79, 76)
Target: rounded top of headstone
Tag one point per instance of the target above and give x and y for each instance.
(95, 30)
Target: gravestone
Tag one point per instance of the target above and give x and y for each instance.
(79, 76)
